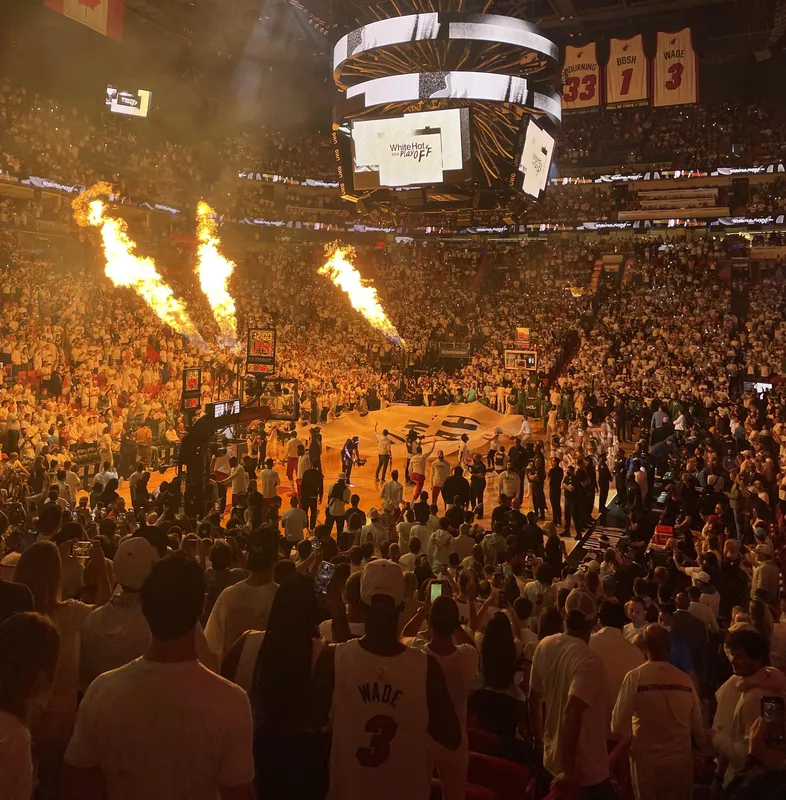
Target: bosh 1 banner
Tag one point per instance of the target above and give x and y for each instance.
(676, 79)
(626, 72)
(580, 78)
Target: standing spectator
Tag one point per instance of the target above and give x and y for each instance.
(337, 499)
(143, 437)
(29, 644)
(393, 491)
(269, 481)
(295, 521)
(766, 575)
(452, 647)
(246, 605)
(238, 480)
(312, 488)
(116, 633)
(384, 445)
(388, 701)
(133, 721)
(567, 678)
(39, 569)
(658, 706)
(618, 655)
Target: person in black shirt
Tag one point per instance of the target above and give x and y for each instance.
(516, 462)
(620, 476)
(569, 484)
(515, 519)
(312, 490)
(536, 485)
(455, 514)
(457, 485)
(500, 513)
(531, 538)
(604, 480)
(556, 474)
(477, 485)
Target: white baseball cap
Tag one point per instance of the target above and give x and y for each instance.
(382, 577)
(133, 561)
(583, 602)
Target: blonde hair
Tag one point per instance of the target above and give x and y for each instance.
(38, 568)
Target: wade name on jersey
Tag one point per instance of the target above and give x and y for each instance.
(376, 693)
(671, 54)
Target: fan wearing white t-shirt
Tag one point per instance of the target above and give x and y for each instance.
(163, 727)
(567, 678)
(658, 706)
(246, 605)
(455, 651)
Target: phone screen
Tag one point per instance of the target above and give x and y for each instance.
(772, 713)
(436, 590)
(324, 576)
(82, 549)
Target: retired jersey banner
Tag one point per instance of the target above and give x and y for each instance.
(676, 79)
(439, 425)
(626, 72)
(580, 78)
(104, 16)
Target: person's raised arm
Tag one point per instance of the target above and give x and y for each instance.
(334, 604)
(98, 562)
(443, 724)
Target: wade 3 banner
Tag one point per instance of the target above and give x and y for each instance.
(441, 424)
(675, 70)
(626, 72)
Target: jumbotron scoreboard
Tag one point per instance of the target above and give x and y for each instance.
(475, 123)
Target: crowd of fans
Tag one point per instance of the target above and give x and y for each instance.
(694, 137)
(424, 649)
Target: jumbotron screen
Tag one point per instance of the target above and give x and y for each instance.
(419, 149)
(134, 104)
(535, 162)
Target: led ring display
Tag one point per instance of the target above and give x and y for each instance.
(473, 86)
(541, 55)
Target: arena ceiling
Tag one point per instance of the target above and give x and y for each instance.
(730, 25)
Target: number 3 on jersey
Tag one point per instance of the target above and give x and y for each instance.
(383, 729)
(675, 71)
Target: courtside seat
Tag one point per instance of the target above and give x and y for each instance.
(473, 792)
(507, 780)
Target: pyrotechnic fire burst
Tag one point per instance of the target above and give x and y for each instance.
(123, 268)
(340, 269)
(214, 271)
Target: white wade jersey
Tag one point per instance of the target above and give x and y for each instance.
(380, 744)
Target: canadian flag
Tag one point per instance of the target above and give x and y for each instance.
(104, 16)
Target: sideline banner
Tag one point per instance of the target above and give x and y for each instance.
(626, 72)
(441, 424)
(676, 78)
(580, 78)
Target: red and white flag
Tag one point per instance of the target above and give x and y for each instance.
(104, 16)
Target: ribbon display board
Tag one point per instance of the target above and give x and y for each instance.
(626, 72)
(453, 350)
(192, 388)
(580, 78)
(261, 351)
(676, 78)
